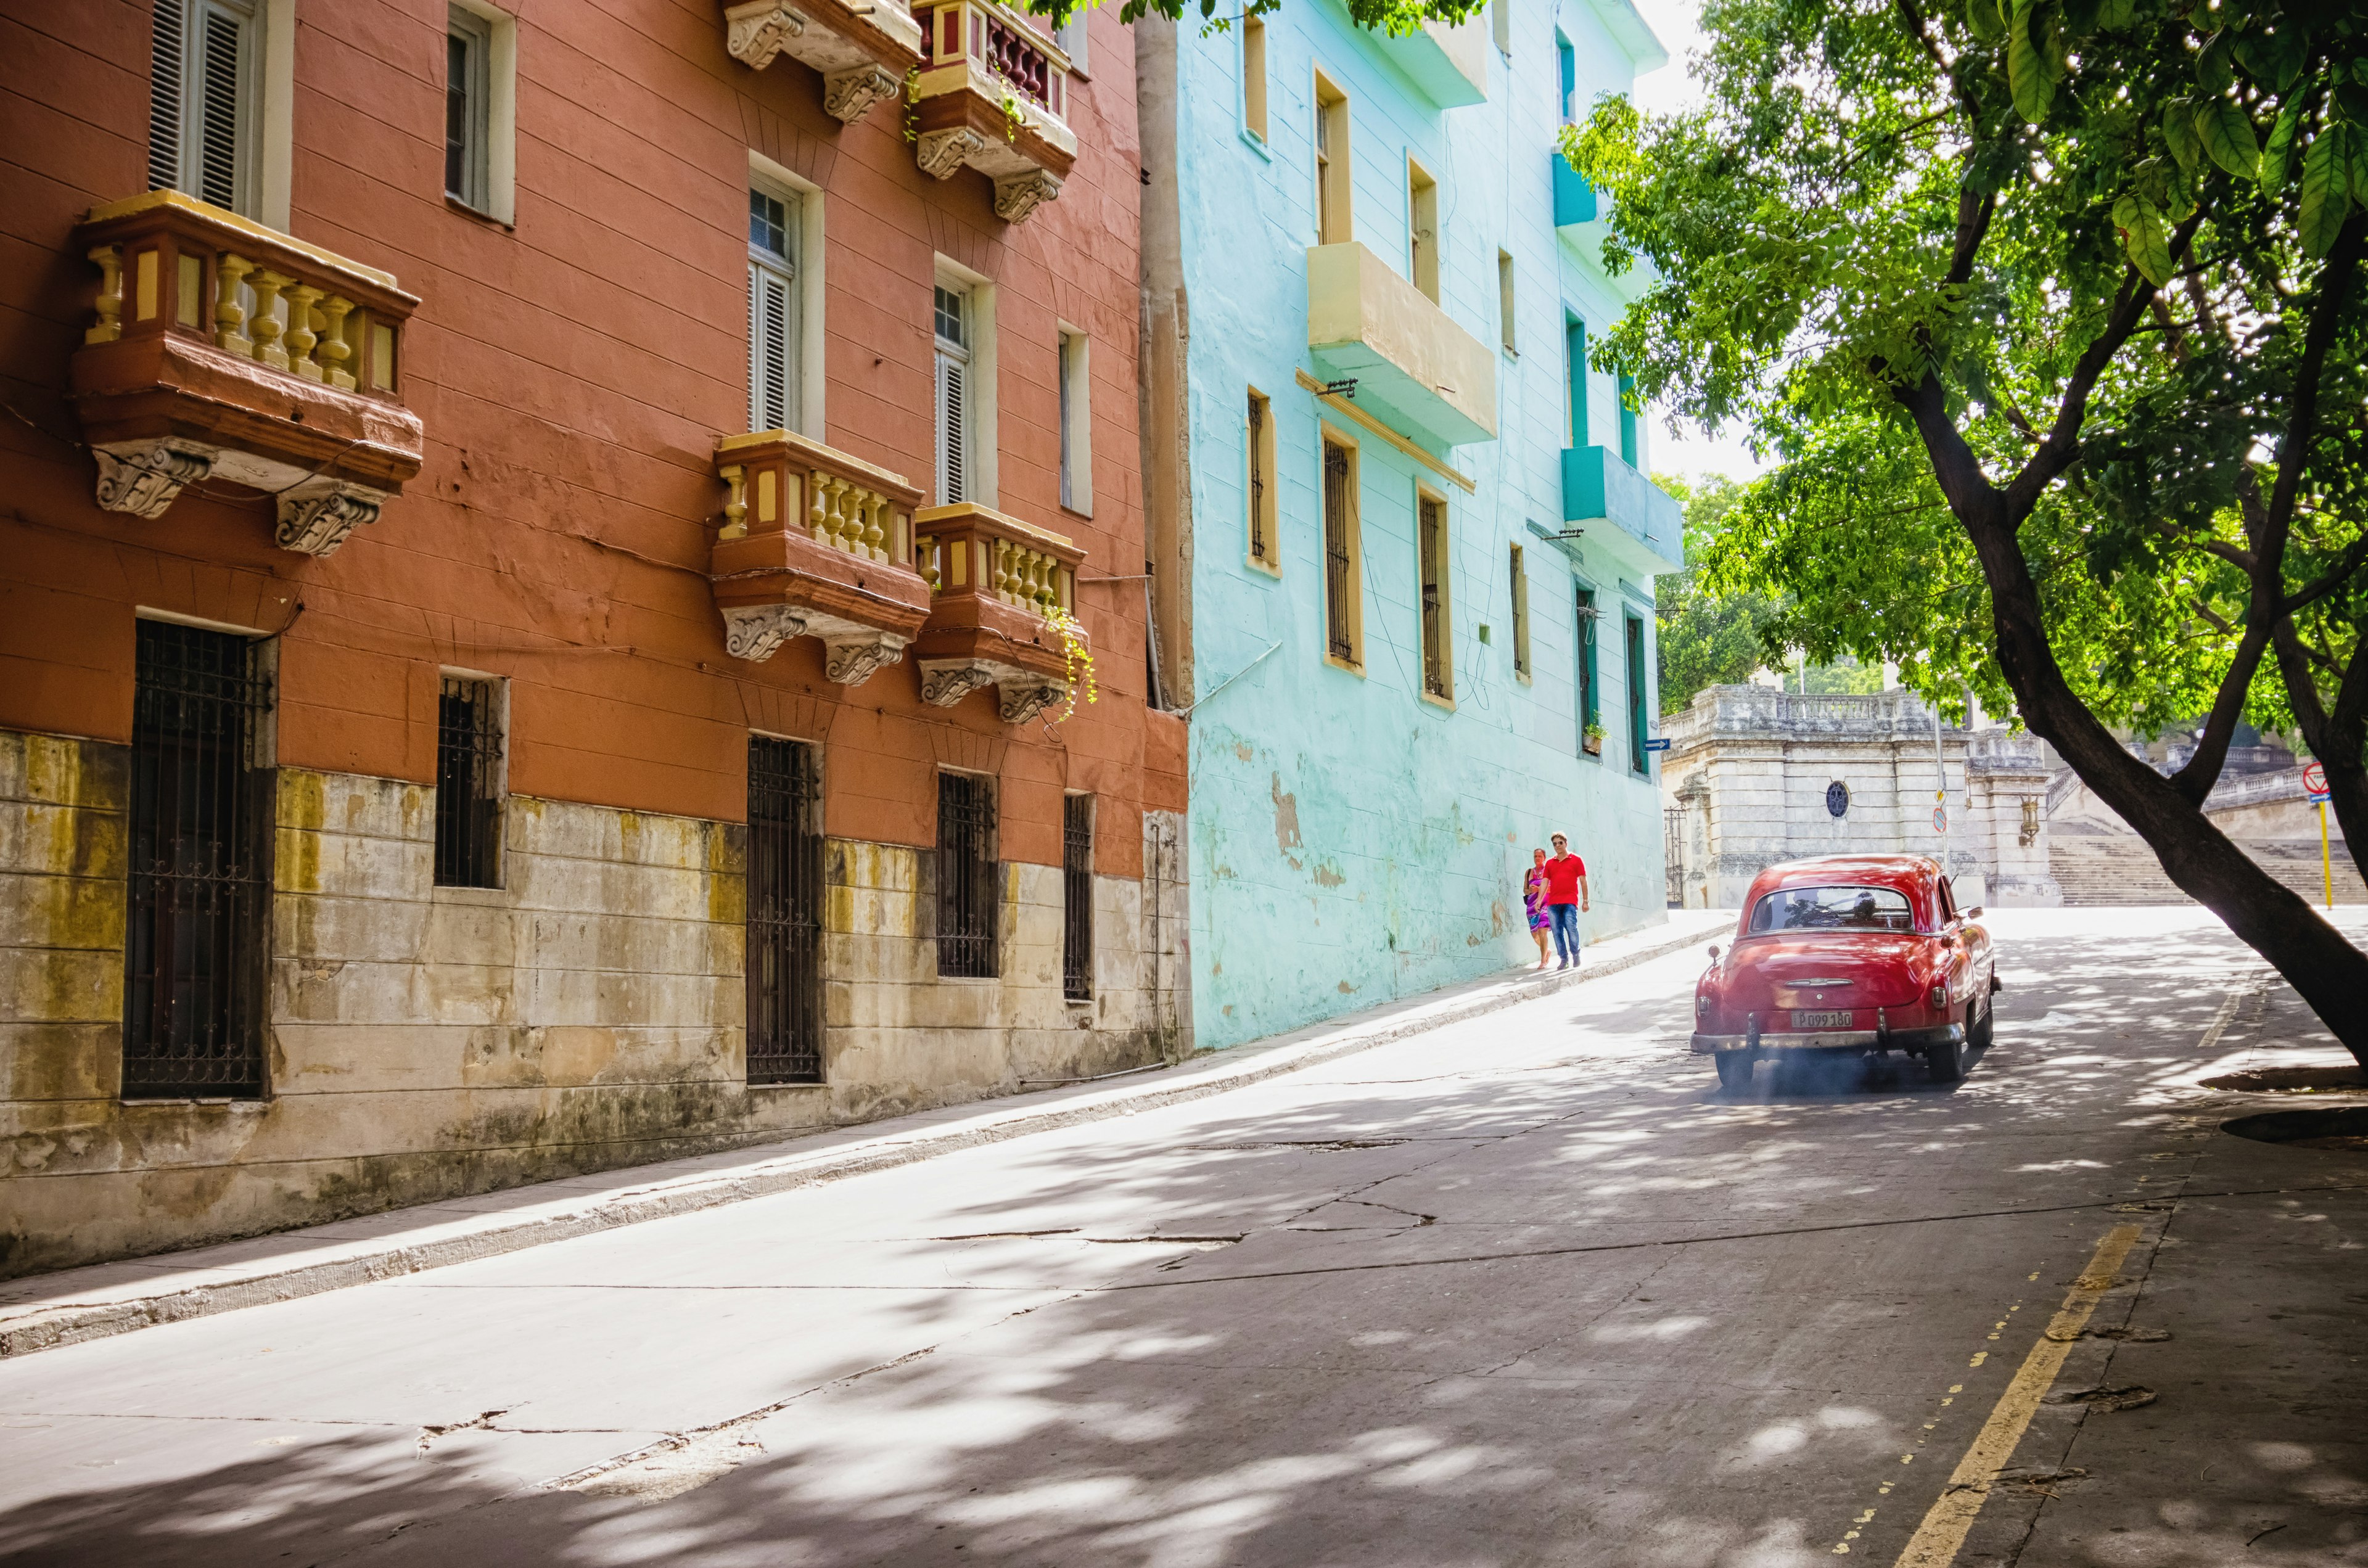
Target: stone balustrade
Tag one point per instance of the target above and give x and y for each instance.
(992, 95)
(1003, 598)
(815, 543)
(221, 349)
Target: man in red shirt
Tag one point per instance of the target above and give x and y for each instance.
(1566, 896)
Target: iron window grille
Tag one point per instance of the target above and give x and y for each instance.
(469, 784)
(1589, 708)
(1337, 579)
(1258, 479)
(967, 876)
(197, 944)
(1077, 897)
(785, 904)
(1432, 548)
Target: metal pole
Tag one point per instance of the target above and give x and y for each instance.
(2325, 859)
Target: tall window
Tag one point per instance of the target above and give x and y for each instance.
(785, 902)
(1521, 616)
(468, 64)
(953, 395)
(968, 876)
(1254, 76)
(1265, 549)
(1430, 552)
(1077, 897)
(1590, 707)
(1567, 76)
(204, 101)
(1076, 423)
(1071, 36)
(197, 941)
(1422, 229)
(773, 324)
(1342, 609)
(1639, 689)
(1505, 301)
(1575, 350)
(1332, 176)
(469, 783)
(1627, 420)
(1500, 25)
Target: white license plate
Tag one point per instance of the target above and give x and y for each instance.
(1821, 1020)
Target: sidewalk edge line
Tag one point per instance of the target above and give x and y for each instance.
(74, 1325)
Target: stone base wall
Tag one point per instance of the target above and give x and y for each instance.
(428, 1042)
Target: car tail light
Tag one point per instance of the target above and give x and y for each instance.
(1701, 1002)
(1940, 997)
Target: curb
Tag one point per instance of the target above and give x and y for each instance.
(46, 1329)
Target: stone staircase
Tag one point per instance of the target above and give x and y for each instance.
(2098, 869)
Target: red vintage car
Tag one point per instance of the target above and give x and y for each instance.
(1851, 954)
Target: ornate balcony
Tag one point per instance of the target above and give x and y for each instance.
(224, 350)
(995, 584)
(862, 51)
(814, 543)
(993, 95)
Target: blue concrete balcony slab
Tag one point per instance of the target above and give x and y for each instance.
(1583, 221)
(1625, 513)
(1416, 370)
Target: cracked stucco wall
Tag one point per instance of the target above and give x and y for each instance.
(429, 1043)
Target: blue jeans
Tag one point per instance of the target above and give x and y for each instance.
(1565, 919)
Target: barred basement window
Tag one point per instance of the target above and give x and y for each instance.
(967, 876)
(785, 900)
(1077, 897)
(469, 784)
(196, 943)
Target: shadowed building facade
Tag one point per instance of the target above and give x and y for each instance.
(554, 563)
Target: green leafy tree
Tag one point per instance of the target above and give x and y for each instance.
(2051, 309)
(1709, 632)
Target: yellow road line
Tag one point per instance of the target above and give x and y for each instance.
(1938, 1539)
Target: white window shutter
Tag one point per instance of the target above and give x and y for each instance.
(772, 354)
(222, 109)
(952, 438)
(165, 68)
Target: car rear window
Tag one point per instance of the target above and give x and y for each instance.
(1833, 909)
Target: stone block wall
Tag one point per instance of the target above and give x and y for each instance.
(428, 1042)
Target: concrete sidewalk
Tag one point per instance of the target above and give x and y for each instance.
(45, 1310)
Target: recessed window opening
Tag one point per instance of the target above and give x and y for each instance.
(205, 101)
(968, 876)
(1567, 74)
(1263, 547)
(197, 945)
(1589, 710)
(1422, 229)
(1254, 76)
(1505, 301)
(1627, 420)
(953, 395)
(1332, 174)
(469, 783)
(1431, 550)
(1077, 422)
(774, 306)
(1077, 897)
(468, 96)
(1500, 25)
(1342, 600)
(1575, 352)
(785, 902)
(1071, 36)
(1520, 579)
(1639, 761)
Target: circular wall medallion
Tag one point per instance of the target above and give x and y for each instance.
(1837, 797)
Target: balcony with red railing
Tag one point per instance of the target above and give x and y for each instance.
(993, 95)
(223, 350)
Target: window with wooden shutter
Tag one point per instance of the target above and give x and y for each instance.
(954, 402)
(203, 100)
(772, 311)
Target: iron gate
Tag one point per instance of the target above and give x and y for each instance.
(195, 950)
(785, 901)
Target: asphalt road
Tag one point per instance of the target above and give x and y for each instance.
(1529, 1289)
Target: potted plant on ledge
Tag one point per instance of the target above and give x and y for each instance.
(1592, 741)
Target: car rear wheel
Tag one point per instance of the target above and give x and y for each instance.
(1734, 1069)
(1945, 1061)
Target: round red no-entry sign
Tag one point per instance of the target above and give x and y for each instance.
(2313, 778)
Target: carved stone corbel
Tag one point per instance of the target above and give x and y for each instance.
(754, 33)
(849, 94)
(1023, 700)
(756, 633)
(143, 477)
(851, 660)
(318, 515)
(942, 154)
(945, 682)
(1016, 196)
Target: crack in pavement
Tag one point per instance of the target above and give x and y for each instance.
(428, 1435)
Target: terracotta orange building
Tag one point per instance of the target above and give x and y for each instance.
(573, 593)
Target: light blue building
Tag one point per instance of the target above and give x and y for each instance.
(1402, 543)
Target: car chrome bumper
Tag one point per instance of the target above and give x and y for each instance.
(1832, 1039)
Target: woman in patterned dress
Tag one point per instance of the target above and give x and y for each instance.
(1534, 900)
